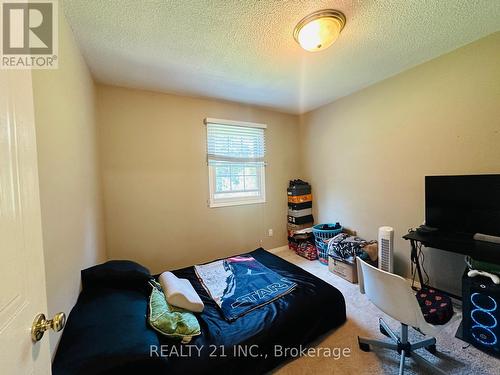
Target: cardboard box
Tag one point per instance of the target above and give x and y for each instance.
(343, 268)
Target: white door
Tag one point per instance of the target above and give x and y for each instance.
(22, 273)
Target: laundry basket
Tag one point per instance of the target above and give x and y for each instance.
(324, 232)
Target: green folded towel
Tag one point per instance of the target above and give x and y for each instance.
(169, 320)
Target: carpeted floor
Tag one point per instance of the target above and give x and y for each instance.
(454, 357)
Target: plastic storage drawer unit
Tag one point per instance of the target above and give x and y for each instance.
(299, 190)
(300, 220)
(299, 198)
(300, 213)
(300, 206)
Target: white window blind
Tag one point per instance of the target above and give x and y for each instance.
(235, 143)
(236, 161)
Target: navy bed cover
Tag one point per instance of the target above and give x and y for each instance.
(107, 331)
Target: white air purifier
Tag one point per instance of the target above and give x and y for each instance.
(386, 249)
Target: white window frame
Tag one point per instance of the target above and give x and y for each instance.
(235, 201)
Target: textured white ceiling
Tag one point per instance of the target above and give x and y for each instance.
(244, 50)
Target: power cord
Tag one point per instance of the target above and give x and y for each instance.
(421, 259)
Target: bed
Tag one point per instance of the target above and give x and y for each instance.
(107, 331)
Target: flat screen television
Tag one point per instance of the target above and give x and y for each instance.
(465, 204)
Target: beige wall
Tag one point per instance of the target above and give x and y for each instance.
(366, 155)
(68, 172)
(155, 178)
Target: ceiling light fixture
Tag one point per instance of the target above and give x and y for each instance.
(319, 30)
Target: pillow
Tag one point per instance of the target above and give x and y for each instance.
(116, 274)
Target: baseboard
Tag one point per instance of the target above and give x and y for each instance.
(278, 249)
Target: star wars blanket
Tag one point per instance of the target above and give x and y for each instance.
(241, 284)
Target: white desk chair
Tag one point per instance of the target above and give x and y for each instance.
(392, 294)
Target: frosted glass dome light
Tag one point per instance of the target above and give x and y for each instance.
(319, 30)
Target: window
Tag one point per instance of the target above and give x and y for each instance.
(236, 166)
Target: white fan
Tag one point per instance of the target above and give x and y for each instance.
(386, 249)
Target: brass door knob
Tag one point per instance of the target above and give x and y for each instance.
(41, 324)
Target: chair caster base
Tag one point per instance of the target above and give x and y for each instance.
(431, 349)
(363, 346)
(402, 346)
(383, 331)
(407, 353)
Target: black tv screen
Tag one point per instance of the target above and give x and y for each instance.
(468, 204)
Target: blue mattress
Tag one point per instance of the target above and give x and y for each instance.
(107, 330)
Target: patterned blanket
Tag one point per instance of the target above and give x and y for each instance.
(241, 284)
